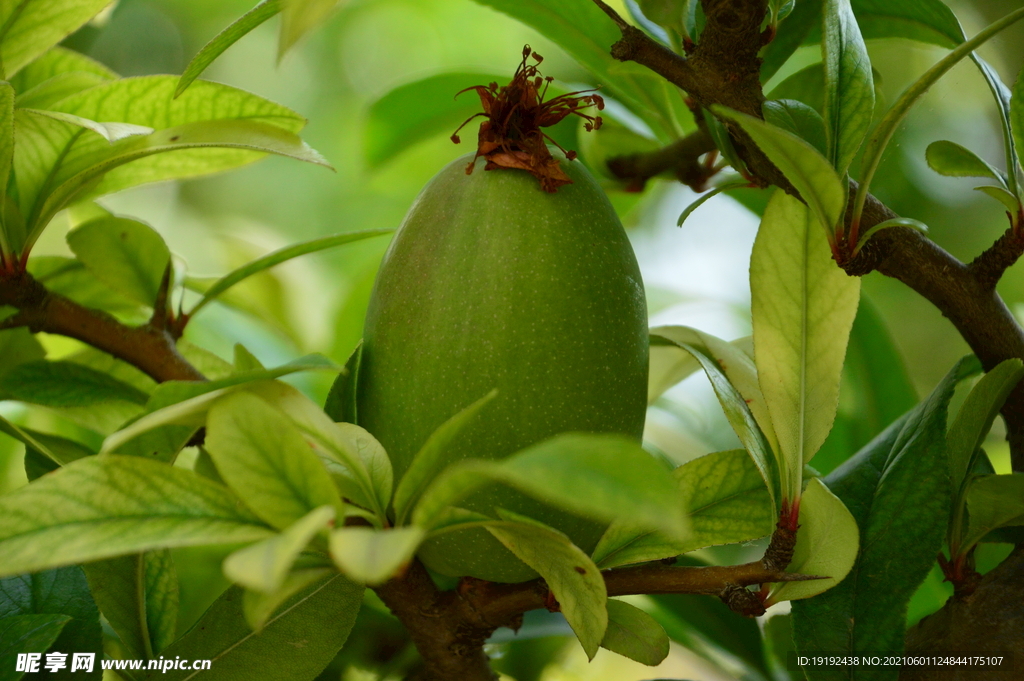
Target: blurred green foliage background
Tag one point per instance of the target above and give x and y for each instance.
(694, 276)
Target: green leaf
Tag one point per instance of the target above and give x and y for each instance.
(70, 278)
(18, 346)
(803, 308)
(866, 235)
(849, 86)
(264, 458)
(57, 592)
(599, 476)
(723, 141)
(295, 644)
(79, 175)
(6, 160)
(665, 13)
(428, 460)
(245, 361)
(572, 577)
(26, 634)
(993, 501)
(808, 171)
(1004, 197)
(30, 28)
(172, 392)
(225, 39)
(740, 417)
(806, 15)
(57, 74)
(27, 438)
(738, 367)
(127, 255)
(259, 606)
(66, 384)
(706, 196)
(370, 556)
(928, 21)
(875, 389)
(886, 128)
(725, 499)
(1016, 119)
(670, 365)
(111, 132)
(416, 111)
(263, 566)
(101, 506)
(587, 34)
(138, 594)
(1004, 105)
(298, 17)
(799, 119)
(826, 544)
(341, 400)
(279, 256)
(45, 452)
(952, 160)
(635, 634)
(897, 488)
(972, 423)
(806, 86)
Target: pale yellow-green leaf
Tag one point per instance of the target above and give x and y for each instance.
(264, 565)
(803, 307)
(572, 577)
(370, 556)
(826, 544)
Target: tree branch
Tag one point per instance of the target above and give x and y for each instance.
(148, 347)
(680, 157)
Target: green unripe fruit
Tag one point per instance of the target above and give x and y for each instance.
(493, 283)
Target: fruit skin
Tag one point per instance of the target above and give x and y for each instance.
(492, 283)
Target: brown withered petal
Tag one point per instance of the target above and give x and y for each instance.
(511, 137)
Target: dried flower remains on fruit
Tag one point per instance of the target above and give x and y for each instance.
(511, 137)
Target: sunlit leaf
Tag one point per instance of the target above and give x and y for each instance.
(599, 476)
(31, 27)
(127, 255)
(726, 501)
(803, 308)
(1004, 197)
(826, 544)
(370, 556)
(264, 458)
(264, 565)
(572, 577)
(101, 506)
(635, 634)
(808, 171)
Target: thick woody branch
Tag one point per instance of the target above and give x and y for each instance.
(149, 347)
(449, 628)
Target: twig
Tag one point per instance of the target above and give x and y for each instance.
(679, 157)
(146, 347)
